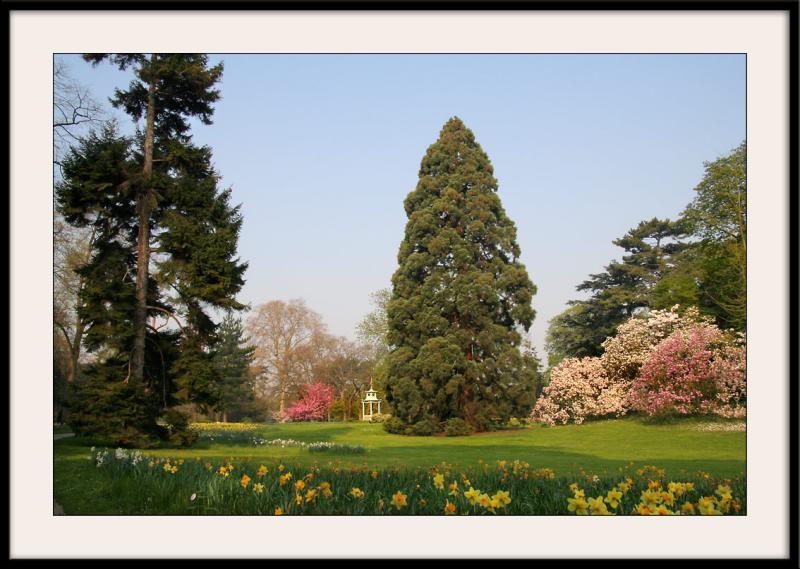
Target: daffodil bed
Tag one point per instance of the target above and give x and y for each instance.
(234, 480)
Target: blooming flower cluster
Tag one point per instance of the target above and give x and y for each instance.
(195, 486)
(663, 362)
(656, 500)
(694, 370)
(580, 388)
(314, 405)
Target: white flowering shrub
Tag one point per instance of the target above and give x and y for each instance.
(580, 388)
(635, 339)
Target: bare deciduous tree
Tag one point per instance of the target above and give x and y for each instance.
(74, 110)
(346, 366)
(288, 338)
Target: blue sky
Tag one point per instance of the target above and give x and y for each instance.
(321, 150)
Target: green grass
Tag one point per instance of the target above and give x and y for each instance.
(602, 447)
(61, 429)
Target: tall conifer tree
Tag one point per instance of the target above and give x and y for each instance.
(460, 298)
(167, 248)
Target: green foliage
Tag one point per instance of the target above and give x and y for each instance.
(337, 410)
(717, 217)
(456, 427)
(460, 295)
(179, 430)
(231, 359)
(114, 411)
(395, 426)
(425, 427)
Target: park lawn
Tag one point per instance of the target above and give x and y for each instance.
(598, 447)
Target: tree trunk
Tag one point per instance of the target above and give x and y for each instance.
(144, 208)
(75, 351)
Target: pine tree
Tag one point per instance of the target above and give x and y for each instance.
(232, 359)
(165, 252)
(460, 296)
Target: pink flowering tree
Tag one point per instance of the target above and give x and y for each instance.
(580, 388)
(695, 370)
(314, 405)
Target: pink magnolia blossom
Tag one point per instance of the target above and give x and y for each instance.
(314, 405)
(695, 370)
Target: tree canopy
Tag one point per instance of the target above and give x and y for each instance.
(460, 296)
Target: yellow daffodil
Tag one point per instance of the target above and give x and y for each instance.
(374, 474)
(399, 500)
(624, 487)
(262, 470)
(279, 511)
(325, 488)
(687, 508)
(580, 494)
(573, 487)
(258, 488)
(245, 481)
(280, 468)
(484, 500)
(357, 493)
(597, 506)
(453, 486)
(662, 510)
(707, 506)
(724, 492)
(472, 495)
(310, 495)
(298, 499)
(578, 505)
(613, 497)
(422, 502)
(502, 498)
(438, 481)
(449, 508)
(651, 498)
(299, 485)
(653, 485)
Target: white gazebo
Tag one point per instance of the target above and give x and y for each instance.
(370, 399)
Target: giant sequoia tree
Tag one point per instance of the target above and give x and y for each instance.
(460, 298)
(165, 249)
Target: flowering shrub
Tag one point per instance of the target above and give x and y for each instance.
(580, 388)
(626, 351)
(314, 405)
(696, 370)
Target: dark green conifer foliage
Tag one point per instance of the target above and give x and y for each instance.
(232, 359)
(167, 238)
(460, 299)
